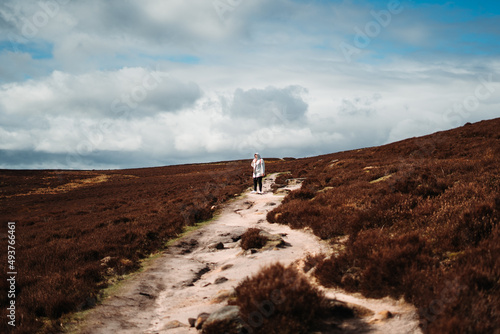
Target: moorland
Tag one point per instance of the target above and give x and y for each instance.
(416, 219)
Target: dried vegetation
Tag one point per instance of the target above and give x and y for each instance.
(420, 219)
(279, 300)
(416, 219)
(252, 238)
(77, 231)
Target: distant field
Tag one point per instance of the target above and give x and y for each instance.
(416, 219)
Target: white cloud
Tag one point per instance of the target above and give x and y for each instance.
(12, 140)
(410, 128)
(156, 82)
(133, 92)
(282, 105)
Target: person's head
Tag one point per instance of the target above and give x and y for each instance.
(256, 156)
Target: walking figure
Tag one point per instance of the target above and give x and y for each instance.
(259, 171)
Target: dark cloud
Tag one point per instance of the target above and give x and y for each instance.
(28, 159)
(281, 104)
(153, 95)
(173, 95)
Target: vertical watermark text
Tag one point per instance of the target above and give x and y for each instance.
(11, 274)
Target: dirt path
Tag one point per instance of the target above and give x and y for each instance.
(192, 275)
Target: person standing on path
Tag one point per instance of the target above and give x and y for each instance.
(259, 171)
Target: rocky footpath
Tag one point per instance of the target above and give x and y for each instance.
(188, 287)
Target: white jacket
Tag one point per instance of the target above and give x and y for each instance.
(259, 168)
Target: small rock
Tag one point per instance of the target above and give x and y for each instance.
(228, 316)
(148, 295)
(269, 236)
(282, 244)
(192, 322)
(221, 280)
(173, 324)
(200, 320)
(224, 295)
(226, 267)
(218, 245)
(282, 191)
(348, 310)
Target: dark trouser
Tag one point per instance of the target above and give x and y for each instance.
(257, 180)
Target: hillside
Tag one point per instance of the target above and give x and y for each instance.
(416, 219)
(421, 217)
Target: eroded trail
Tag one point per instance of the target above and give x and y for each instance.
(200, 270)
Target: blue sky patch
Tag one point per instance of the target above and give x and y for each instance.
(37, 50)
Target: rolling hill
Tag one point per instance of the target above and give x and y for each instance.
(416, 219)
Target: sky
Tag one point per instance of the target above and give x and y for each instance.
(123, 84)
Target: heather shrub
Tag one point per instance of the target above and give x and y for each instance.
(253, 239)
(300, 194)
(302, 213)
(390, 265)
(421, 182)
(273, 215)
(312, 261)
(278, 300)
(376, 264)
(475, 225)
(327, 227)
(381, 212)
(472, 306)
(281, 180)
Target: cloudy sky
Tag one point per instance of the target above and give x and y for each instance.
(121, 83)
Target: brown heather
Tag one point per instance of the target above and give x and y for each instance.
(67, 223)
(278, 300)
(252, 239)
(416, 219)
(421, 217)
